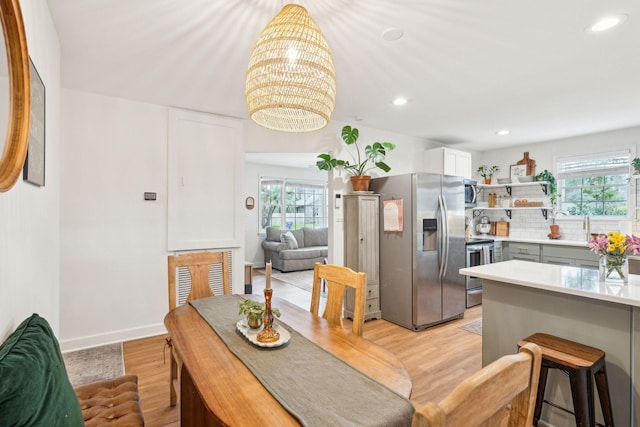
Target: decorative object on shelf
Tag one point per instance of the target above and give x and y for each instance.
(291, 79)
(254, 310)
(374, 153)
(614, 248)
(487, 172)
(530, 164)
(516, 172)
(524, 203)
(636, 165)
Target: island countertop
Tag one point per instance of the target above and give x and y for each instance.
(558, 278)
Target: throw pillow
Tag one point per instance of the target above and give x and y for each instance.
(34, 386)
(289, 240)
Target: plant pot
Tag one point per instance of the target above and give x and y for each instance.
(555, 232)
(254, 322)
(360, 183)
(487, 180)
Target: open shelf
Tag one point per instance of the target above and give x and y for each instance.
(545, 210)
(543, 184)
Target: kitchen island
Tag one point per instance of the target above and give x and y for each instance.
(521, 298)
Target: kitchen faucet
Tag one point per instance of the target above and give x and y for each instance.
(586, 225)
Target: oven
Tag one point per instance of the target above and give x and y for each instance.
(478, 252)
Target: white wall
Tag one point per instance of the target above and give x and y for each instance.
(531, 224)
(29, 217)
(253, 171)
(113, 242)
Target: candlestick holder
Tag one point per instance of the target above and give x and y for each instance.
(267, 334)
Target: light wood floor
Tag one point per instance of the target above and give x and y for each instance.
(437, 358)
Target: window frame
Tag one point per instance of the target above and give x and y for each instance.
(293, 184)
(613, 170)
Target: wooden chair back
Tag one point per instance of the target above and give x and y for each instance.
(199, 264)
(338, 279)
(481, 400)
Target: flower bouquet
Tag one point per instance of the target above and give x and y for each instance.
(614, 248)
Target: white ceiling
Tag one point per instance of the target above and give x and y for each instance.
(467, 67)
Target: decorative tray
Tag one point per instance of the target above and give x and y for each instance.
(252, 334)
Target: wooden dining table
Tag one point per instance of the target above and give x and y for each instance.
(218, 389)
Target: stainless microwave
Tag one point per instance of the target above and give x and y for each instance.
(470, 193)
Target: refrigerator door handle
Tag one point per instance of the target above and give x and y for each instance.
(445, 234)
(441, 235)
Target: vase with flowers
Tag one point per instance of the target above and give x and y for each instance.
(614, 249)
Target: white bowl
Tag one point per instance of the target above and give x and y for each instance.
(525, 178)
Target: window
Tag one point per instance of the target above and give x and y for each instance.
(304, 203)
(596, 184)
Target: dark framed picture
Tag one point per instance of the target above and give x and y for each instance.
(34, 165)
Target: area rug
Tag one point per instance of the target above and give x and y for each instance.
(94, 364)
(299, 279)
(475, 327)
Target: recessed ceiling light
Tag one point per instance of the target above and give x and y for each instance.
(392, 34)
(400, 101)
(502, 132)
(607, 23)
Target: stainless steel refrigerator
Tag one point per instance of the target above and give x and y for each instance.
(419, 261)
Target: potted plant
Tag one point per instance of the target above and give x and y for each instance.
(548, 177)
(487, 172)
(254, 311)
(360, 163)
(636, 165)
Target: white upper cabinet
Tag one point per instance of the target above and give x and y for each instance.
(447, 161)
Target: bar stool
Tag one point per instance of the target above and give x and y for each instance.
(580, 362)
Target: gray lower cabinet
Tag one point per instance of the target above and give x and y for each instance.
(497, 251)
(361, 248)
(569, 255)
(550, 254)
(521, 251)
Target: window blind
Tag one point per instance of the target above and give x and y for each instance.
(598, 164)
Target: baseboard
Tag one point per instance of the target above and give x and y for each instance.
(112, 337)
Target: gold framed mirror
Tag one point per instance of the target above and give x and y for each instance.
(19, 94)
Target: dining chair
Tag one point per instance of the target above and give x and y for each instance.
(199, 265)
(338, 279)
(482, 399)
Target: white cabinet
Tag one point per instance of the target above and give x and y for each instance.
(361, 249)
(447, 161)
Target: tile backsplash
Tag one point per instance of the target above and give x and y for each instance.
(530, 223)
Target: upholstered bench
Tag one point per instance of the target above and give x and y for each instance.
(113, 403)
(35, 388)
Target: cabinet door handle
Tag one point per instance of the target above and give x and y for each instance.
(522, 250)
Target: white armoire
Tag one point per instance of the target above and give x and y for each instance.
(361, 248)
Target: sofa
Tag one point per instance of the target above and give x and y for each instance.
(35, 389)
(295, 250)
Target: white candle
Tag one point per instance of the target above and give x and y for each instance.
(268, 278)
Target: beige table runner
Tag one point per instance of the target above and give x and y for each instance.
(316, 387)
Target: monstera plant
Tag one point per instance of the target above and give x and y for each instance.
(360, 163)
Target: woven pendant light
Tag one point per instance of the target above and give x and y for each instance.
(291, 81)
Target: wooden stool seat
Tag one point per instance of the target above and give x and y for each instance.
(580, 362)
